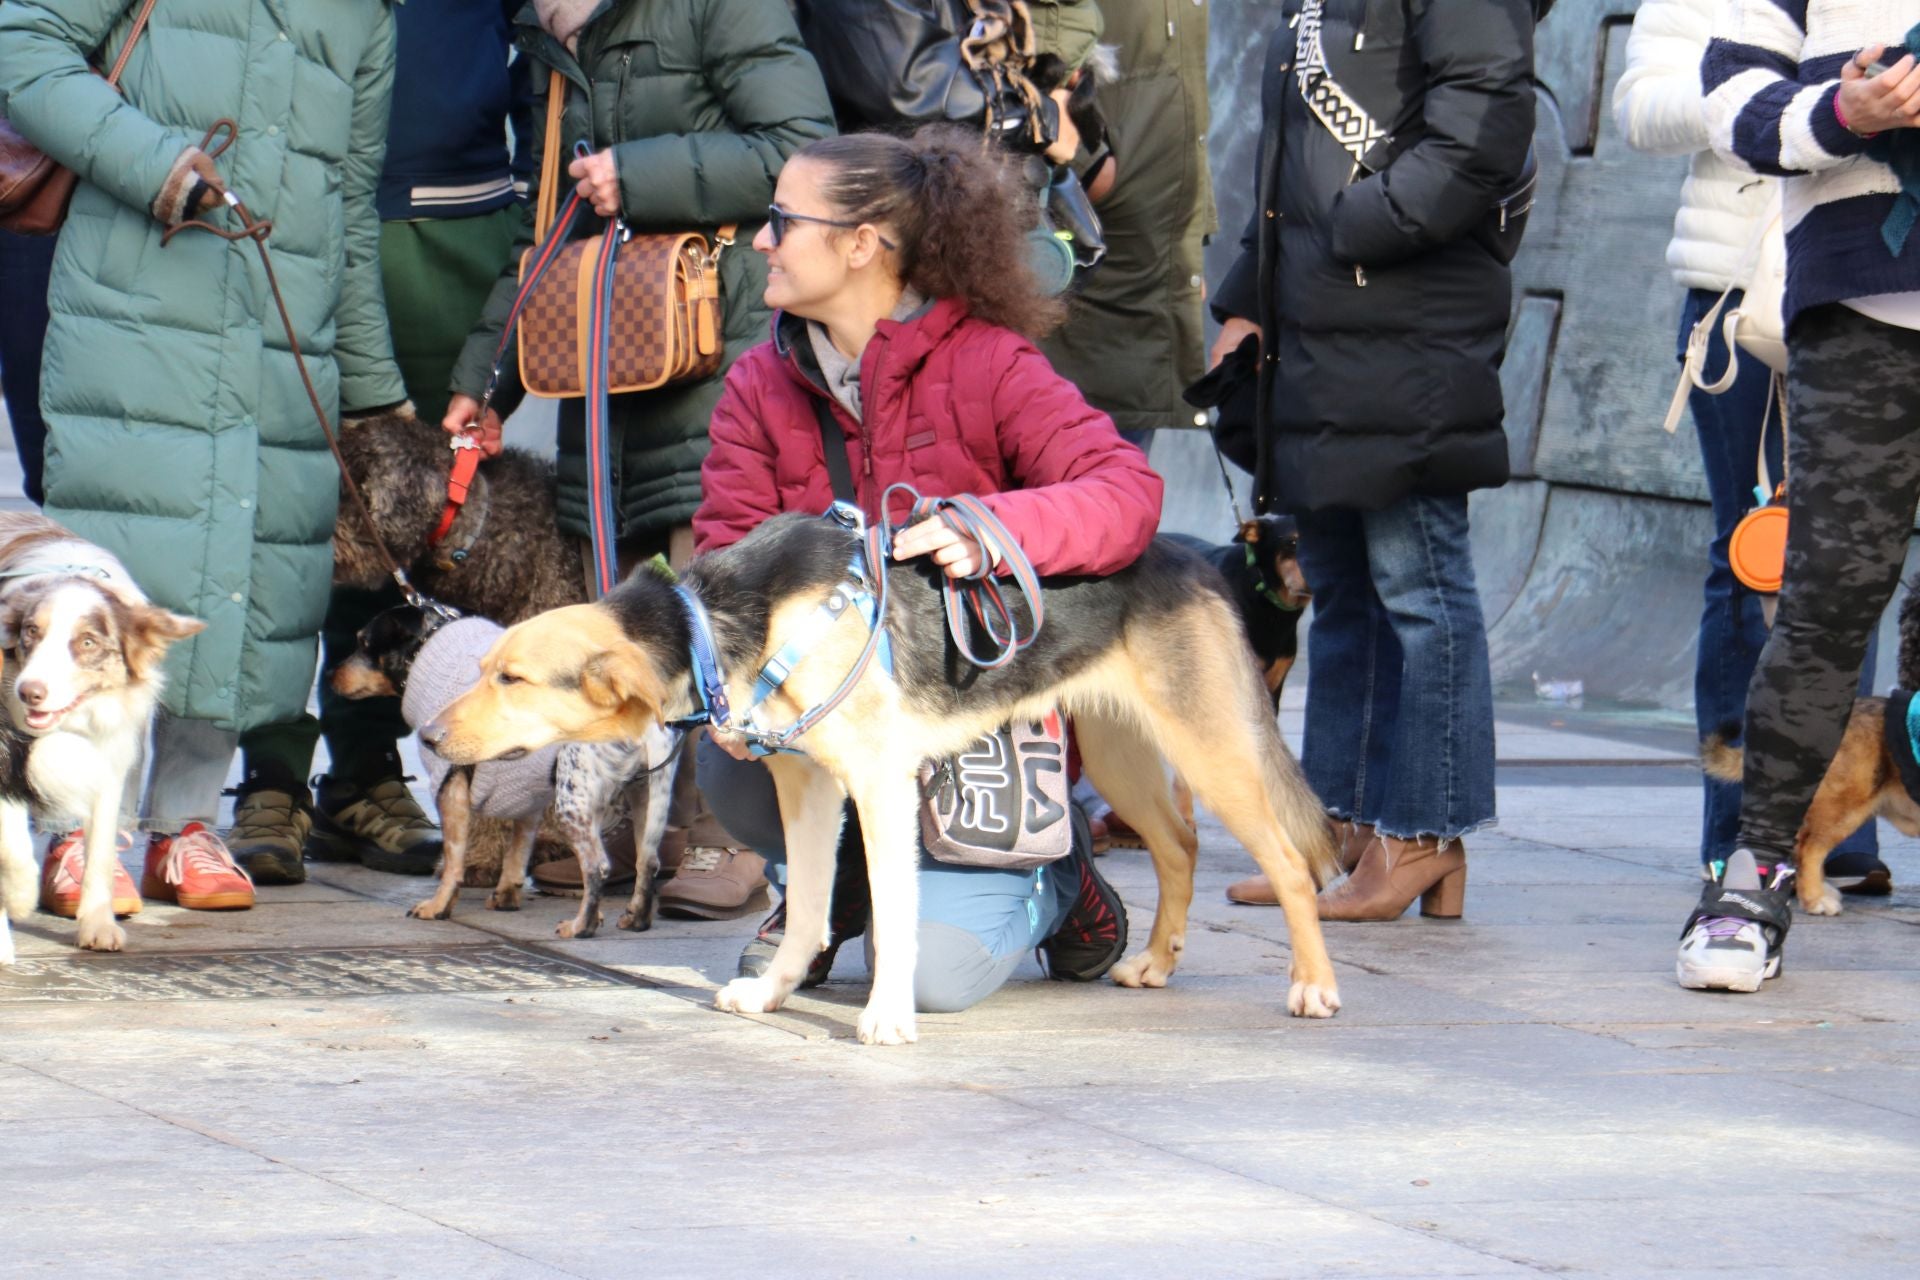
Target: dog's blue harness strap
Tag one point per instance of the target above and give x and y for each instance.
(709, 682)
(857, 592)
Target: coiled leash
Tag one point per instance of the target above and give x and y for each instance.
(600, 507)
(257, 230)
(979, 592)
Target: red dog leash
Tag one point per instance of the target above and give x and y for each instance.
(466, 465)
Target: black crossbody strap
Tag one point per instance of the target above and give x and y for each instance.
(834, 445)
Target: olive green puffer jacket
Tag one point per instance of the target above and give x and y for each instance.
(179, 436)
(702, 102)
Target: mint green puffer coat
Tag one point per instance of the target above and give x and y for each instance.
(179, 436)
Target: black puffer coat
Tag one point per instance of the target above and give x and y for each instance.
(1376, 262)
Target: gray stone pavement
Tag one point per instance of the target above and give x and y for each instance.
(321, 1087)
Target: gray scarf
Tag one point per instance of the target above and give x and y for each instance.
(842, 371)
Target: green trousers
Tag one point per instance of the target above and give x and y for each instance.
(438, 273)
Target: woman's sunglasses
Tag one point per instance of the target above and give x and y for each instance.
(778, 220)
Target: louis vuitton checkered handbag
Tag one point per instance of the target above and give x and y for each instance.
(660, 294)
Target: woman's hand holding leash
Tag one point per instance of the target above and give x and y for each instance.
(955, 552)
(463, 418)
(599, 182)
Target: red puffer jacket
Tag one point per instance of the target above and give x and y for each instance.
(951, 405)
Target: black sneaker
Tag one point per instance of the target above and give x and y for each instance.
(1857, 872)
(1093, 937)
(847, 918)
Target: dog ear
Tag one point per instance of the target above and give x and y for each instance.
(622, 680)
(12, 610)
(151, 630)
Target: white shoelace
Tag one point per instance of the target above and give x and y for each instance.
(702, 858)
(199, 851)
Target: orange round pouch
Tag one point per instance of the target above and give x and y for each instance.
(1757, 551)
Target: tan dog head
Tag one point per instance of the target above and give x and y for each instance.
(570, 675)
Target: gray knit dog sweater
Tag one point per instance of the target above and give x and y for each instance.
(447, 666)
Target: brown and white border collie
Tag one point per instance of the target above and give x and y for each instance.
(79, 687)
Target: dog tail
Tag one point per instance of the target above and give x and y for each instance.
(1722, 757)
(1303, 817)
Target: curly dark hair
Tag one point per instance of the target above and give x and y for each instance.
(957, 211)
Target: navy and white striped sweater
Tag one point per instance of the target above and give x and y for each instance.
(1771, 75)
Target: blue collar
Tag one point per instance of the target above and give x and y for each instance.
(709, 682)
(1913, 723)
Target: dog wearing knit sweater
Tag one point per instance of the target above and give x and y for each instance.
(428, 657)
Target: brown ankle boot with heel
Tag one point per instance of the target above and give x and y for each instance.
(1353, 839)
(1391, 873)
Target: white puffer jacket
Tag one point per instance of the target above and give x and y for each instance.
(1661, 108)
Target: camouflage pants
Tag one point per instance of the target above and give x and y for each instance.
(1853, 460)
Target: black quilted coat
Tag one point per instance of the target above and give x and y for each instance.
(1376, 257)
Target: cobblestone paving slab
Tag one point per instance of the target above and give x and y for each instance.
(283, 974)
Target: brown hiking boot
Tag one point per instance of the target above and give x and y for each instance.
(1392, 873)
(379, 825)
(1354, 837)
(269, 831)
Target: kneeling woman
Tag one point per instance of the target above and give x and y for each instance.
(905, 307)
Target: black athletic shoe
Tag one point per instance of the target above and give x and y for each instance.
(1859, 873)
(1093, 937)
(847, 917)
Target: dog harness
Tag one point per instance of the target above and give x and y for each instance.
(1902, 733)
(864, 589)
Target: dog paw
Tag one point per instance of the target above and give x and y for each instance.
(747, 995)
(431, 909)
(1147, 969)
(1828, 903)
(636, 921)
(577, 928)
(505, 899)
(885, 1026)
(102, 935)
(1312, 1000)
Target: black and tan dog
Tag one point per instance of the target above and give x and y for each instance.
(1874, 773)
(1150, 661)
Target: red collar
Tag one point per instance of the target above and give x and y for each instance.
(466, 464)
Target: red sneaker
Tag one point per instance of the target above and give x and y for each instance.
(60, 880)
(195, 870)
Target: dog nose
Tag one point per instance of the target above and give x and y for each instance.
(432, 734)
(32, 692)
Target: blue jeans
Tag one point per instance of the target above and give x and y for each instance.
(1399, 694)
(976, 923)
(1732, 628)
(25, 265)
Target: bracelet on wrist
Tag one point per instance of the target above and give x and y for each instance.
(1841, 116)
